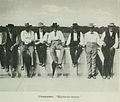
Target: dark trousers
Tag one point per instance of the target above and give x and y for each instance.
(42, 53)
(2, 56)
(75, 52)
(8, 57)
(108, 61)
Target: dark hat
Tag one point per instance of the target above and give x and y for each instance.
(111, 25)
(10, 25)
(91, 25)
(75, 26)
(40, 24)
(55, 25)
(27, 25)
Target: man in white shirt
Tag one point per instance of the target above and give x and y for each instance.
(92, 41)
(56, 41)
(110, 38)
(28, 38)
(75, 41)
(41, 40)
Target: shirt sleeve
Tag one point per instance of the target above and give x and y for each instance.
(99, 41)
(22, 36)
(81, 39)
(85, 40)
(116, 41)
(36, 36)
(68, 40)
(62, 37)
(45, 37)
(103, 36)
(49, 38)
(33, 36)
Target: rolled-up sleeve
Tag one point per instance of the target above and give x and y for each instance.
(81, 39)
(116, 41)
(62, 37)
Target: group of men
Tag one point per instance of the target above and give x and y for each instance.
(29, 42)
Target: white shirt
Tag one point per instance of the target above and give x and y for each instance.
(59, 36)
(27, 37)
(116, 39)
(42, 38)
(75, 38)
(1, 37)
(93, 38)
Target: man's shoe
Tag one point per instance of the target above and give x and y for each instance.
(94, 77)
(89, 76)
(7, 69)
(2, 67)
(59, 66)
(22, 67)
(104, 77)
(43, 65)
(108, 77)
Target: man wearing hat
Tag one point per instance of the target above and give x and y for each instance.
(41, 41)
(11, 50)
(92, 41)
(56, 41)
(28, 38)
(110, 38)
(75, 41)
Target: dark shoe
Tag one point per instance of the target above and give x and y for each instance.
(19, 75)
(43, 65)
(59, 74)
(59, 66)
(108, 77)
(89, 76)
(94, 77)
(40, 64)
(2, 67)
(22, 67)
(13, 75)
(104, 77)
(39, 74)
(7, 69)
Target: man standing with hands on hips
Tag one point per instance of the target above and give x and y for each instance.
(92, 41)
(110, 38)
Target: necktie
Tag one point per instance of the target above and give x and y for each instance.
(55, 33)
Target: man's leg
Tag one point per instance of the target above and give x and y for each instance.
(2, 57)
(79, 51)
(39, 52)
(111, 59)
(7, 58)
(94, 54)
(106, 55)
(44, 55)
(72, 53)
(60, 58)
(54, 57)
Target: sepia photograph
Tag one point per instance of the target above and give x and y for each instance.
(59, 50)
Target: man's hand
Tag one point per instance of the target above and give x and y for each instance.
(12, 47)
(104, 44)
(112, 48)
(79, 45)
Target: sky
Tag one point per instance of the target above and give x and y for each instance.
(64, 12)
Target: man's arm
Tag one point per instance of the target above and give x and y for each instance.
(68, 40)
(102, 39)
(116, 41)
(81, 39)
